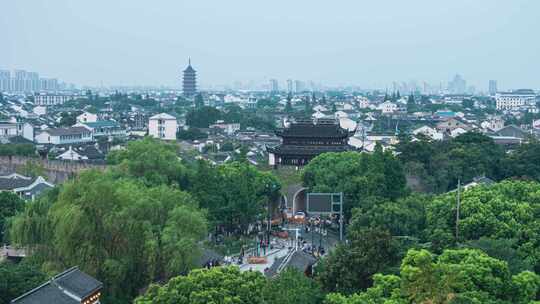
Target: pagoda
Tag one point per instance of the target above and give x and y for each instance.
(305, 139)
(189, 85)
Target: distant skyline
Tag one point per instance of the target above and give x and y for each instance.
(332, 42)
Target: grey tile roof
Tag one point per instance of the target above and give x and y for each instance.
(310, 129)
(10, 183)
(78, 282)
(58, 289)
(299, 260)
(67, 131)
(46, 293)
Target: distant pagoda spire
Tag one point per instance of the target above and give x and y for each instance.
(189, 84)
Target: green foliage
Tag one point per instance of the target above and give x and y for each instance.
(68, 119)
(10, 205)
(456, 276)
(216, 285)
(468, 103)
(227, 146)
(411, 104)
(440, 164)
(267, 103)
(308, 109)
(191, 134)
(152, 161)
(507, 210)
(16, 279)
(524, 162)
(385, 290)
(288, 105)
(502, 249)
(234, 193)
(403, 217)
(117, 230)
(199, 101)
(359, 176)
(291, 287)
(17, 150)
(205, 116)
(349, 267)
(202, 117)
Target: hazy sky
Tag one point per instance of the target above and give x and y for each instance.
(360, 42)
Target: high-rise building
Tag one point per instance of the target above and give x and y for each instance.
(189, 84)
(5, 76)
(274, 87)
(289, 86)
(492, 87)
(33, 82)
(458, 85)
(298, 86)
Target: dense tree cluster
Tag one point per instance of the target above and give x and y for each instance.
(204, 116)
(507, 210)
(10, 205)
(497, 222)
(191, 134)
(118, 230)
(361, 177)
(229, 285)
(16, 279)
(350, 267)
(439, 164)
(141, 221)
(152, 162)
(144, 220)
(234, 194)
(455, 276)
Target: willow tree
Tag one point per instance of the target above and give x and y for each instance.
(118, 230)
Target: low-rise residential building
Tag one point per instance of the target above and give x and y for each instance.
(227, 128)
(453, 123)
(87, 117)
(52, 99)
(26, 187)
(78, 153)
(104, 128)
(62, 136)
(429, 132)
(495, 123)
(163, 126)
(363, 103)
(388, 107)
(40, 110)
(10, 129)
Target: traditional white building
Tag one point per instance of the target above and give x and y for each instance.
(227, 128)
(429, 132)
(363, 102)
(12, 128)
(40, 110)
(62, 136)
(104, 128)
(163, 126)
(87, 117)
(388, 107)
(495, 123)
